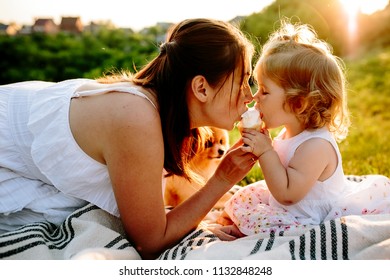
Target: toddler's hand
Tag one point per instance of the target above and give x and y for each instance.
(256, 142)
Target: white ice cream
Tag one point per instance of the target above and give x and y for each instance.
(250, 119)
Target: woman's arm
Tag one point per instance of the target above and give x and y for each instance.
(134, 153)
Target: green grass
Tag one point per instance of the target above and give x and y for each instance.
(367, 147)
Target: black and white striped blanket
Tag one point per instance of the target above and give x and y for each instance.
(91, 233)
(87, 229)
(351, 237)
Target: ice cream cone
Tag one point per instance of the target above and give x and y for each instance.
(250, 120)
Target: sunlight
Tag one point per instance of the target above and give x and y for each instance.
(353, 8)
(365, 6)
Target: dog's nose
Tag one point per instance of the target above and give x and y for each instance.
(221, 152)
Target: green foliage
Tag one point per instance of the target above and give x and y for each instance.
(66, 56)
(367, 148)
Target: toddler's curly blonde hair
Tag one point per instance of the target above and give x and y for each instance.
(312, 77)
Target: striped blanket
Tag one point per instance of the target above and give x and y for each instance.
(351, 237)
(91, 233)
(88, 229)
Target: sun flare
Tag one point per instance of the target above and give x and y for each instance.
(364, 6)
(354, 7)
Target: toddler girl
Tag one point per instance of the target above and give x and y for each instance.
(301, 89)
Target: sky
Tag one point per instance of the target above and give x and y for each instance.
(135, 14)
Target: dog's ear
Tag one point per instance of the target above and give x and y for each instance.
(200, 86)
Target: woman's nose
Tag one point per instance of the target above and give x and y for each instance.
(248, 95)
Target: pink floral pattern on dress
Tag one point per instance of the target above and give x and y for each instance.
(249, 208)
(250, 211)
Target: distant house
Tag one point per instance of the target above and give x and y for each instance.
(8, 29)
(71, 25)
(93, 27)
(45, 25)
(96, 26)
(25, 30)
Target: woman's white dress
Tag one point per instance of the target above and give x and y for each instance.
(44, 174)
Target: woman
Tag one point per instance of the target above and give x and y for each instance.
(109, 141)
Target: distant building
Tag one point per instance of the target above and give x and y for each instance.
(92, 27)
(25, 30)
(97, 26)
(45, 25)
(71, 25)
(8, 29)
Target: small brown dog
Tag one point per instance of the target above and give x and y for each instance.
(205, 163)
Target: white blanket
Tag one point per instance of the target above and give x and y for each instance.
(87, 233)
(351, 237)
(91, 233)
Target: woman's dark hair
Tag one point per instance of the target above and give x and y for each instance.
(193, 47)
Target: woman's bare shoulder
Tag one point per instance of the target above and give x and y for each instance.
(101, 123)
(137, 108)
(130, 116)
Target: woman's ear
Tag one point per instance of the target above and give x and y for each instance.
(199, 87)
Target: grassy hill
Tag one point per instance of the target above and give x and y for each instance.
(367, 148)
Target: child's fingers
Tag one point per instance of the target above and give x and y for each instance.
(265, 131)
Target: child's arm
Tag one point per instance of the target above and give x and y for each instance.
(315, 159)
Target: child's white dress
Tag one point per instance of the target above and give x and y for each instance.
(253, 208)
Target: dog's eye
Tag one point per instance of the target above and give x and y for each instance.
(208, 144)
(221, 141)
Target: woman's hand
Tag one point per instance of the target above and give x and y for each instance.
(235, 165)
